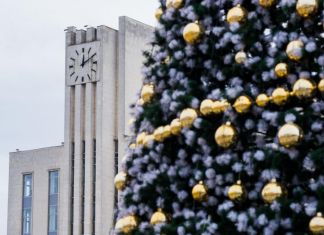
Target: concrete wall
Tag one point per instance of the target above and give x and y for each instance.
(38, 162)
(133, 39)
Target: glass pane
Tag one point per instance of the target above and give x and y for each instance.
(54, 178)
(26, 221)
(27, 185)
(52, 226)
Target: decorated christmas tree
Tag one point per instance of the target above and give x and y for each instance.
(228, 128)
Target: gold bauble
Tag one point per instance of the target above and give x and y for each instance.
(295, 50)
(140, 102)
(192, 32)
(147, 139)
(167, 60)
(206, 107)
(240, 57)
(304, 88)
(199, 192)
(226, 135)
(316, 225)
(281, 70)
(220, 106)
(127, 224)
(187, 117)
(321, 86)
(159, 217)
(132, 146)
(158, 134)
(237, 192)
(177, 3)
(280, 96)
(236, 15)
(267, 3)
(262, 100)
(305, 8)
(175, 126)
(243, 104)
(158, 13)
(290, 135)
(166, 131)
(168, 3)
(147, 92)
(272, 191)
(120, 180)
(140, 138)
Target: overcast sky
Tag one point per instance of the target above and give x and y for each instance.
(32, 69)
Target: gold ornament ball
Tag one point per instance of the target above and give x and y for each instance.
(187, 117)
(158, 217)
(304, 88)
(158, 134)
(177, 3)
(148, 139)
(305, 8)
(236, 15)
(120, 180)
(140, 102)
(206, 107)
(290, 135)
(220, 106)
(158, 13)
(267, 3)
(243, 104)
(127, 224)
(321, 86)
(281, 70)
(176, 126)
(262, 100)
(272, 191)
(280, 96)
(168, 3)
(199, 192)
(140, 138)
(132, 146)
(192, 32)
(226, 135)
(295, 50)
(147, 92)
(237, 192)
(316, 225)
(166, 131)
(240, 57)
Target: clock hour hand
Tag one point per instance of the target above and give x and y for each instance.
(84, 62)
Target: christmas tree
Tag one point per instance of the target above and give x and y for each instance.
(228, 130)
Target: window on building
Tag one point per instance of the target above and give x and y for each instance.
(27, 204)
(53, 202)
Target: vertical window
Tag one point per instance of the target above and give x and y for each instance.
(94, 188)
(83, 187)
(72, 188)
(53, 202)
(27, 204)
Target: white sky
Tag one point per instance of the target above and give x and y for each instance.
(32, 69)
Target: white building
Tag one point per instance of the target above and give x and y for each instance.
(68, 189)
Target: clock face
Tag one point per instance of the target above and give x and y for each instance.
(82, 63)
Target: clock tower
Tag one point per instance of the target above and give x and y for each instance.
(90, 129)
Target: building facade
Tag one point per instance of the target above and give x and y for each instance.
(69, 189)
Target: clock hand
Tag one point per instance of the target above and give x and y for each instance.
(84, 62)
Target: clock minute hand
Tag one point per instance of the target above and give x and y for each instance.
(84, 62)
